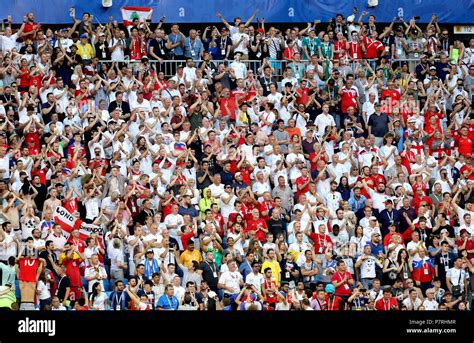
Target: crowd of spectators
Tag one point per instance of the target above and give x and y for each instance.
(246, 167)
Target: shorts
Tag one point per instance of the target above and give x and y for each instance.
(27, 307)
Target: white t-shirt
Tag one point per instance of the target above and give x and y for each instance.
(216, 191)
(367, 268)
(240, 69)
(378, 199)
(412, 305)
(232, 280)
(90, 271)
(430, 305)
(322, 121)
(241, 47)
(99, 301)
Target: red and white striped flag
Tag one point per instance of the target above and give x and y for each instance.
(68, 222)
(129, 13)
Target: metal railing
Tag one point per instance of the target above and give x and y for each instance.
(169, 67)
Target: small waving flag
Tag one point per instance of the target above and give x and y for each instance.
(130, 13)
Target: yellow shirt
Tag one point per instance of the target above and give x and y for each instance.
(62, 257)
(187, 257)
(275, 267)
(85, 51)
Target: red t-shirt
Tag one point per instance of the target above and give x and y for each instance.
(79, 244)
(321, 242)
(303, 96)
(394, 96)
(230, 104)
(333, 304)
(28, 269)
(383, 305)
(252, 225)
(72, 149)
(464, 145)
(73, 271)
(372, 48)
(301, 181)
(348, 98)
(388, 238)
(340, 45)
(355, 50)
(345, 289)
(417, 200)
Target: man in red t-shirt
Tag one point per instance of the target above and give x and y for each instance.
(71, 260)
(393, 96)
(342, 280)
(302, 93)
(30, 28)
(387, 302)
(464, 143)
(322, 242)
(227, 104)
(373, 47)
(420, 197)
(302, 182)
(258, 225)
(333, 302)
(349, 96)
(29, 270)
(465, 242)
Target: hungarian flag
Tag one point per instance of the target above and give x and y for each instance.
(69, 222)
(130, 13)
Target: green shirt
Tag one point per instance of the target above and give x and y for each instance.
(312, 45)
(8, 299)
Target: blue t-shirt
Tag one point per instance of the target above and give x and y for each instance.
(166, 303)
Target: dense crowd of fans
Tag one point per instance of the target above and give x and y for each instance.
(316, 168)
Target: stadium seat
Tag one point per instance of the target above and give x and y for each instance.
(107, 287)
(17, 289)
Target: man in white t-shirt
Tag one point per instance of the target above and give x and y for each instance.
(379, 197)
(95, 272)
(430, 304)
(240, 69)
(8, 40)
(412, 303)
(240, 42)
(324, 120)
(367, 263)
(231, 280)
(255, 278)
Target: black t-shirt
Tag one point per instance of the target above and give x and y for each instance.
(63, 284)
(123, 105)
(10, 100)
(206, 183)
(227, 178)
(449, 228)
(45, 254)
(48, 114)
(159, 48)
(41, 197)
(444, 263)
(209, 273)
(285, 274)
(379, 124)
(102, 50)
(275, 226)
